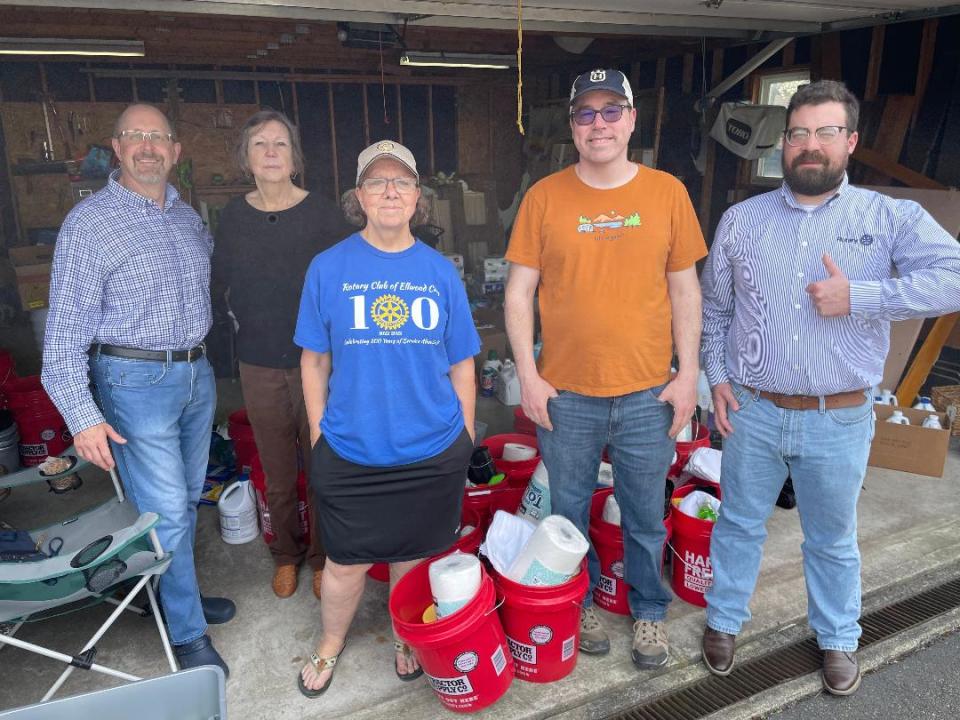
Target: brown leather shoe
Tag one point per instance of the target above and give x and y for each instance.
(841, 672)
(317, 577)
(718, 650)
(285, 580)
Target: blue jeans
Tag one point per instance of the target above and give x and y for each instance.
(634, 429)
(825, 452)
(165, 412)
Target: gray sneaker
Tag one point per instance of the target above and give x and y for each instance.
(593, 638)
(650, 649)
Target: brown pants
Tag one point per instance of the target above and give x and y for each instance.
(274, 400)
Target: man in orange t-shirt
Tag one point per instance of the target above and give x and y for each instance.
(611, 246)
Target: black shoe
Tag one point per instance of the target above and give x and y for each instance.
(788, 498)
(199, 652)
(217, 611)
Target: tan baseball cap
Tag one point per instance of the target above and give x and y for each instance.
(385, 148)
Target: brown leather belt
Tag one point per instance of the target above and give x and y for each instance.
(853, 398)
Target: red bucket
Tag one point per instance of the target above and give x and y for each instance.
(487, 500)
(464, 655)
(611, 590)
(469, 543)
(259, 481)
(518, 472)
(42, 430)
(8, 370)
(542, 625)
(244, 446)
(684, 450)
(523, 424)
(692, 572)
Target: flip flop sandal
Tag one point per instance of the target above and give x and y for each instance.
(407, 652)
(320, 664)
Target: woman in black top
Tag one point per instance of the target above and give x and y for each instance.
(264, 243)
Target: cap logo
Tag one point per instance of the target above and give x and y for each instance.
(385, 146)
(598, 75)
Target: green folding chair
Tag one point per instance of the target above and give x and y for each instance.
(109, 553)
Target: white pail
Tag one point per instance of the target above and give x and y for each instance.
(238, 514)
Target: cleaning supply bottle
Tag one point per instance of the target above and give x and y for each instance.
(933, 422)
(488, 374)
(924, 403)
(888, 398)
(898, 418)
(508, 384)
(535, 504)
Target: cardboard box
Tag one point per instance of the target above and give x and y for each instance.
(31, 255)
(31, 264)
(493, 334)
(910, 448)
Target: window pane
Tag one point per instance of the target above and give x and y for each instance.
(777, 89)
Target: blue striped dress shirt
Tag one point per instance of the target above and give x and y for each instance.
(761, 328)
(125, 272)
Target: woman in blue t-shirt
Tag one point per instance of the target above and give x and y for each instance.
(388, 379)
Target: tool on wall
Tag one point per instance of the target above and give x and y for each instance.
(52, 116)
(48, 153)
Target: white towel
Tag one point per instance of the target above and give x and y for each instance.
(505, 539)
(705, 463)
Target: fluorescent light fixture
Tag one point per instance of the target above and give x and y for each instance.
(69, 46)
(458, 60)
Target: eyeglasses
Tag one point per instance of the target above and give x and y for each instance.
(138, 136)
(378, 185)
(610, 114)
(825, 135)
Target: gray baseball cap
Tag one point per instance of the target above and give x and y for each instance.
(382, 149)
(612, 80)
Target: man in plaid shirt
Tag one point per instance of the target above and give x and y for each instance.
(123, 357)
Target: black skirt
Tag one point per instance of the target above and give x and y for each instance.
(388, 514)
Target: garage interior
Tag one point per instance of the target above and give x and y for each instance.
(342, 73)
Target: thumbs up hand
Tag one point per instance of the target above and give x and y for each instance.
(831, 297)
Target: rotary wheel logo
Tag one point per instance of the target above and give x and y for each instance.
(389, 312)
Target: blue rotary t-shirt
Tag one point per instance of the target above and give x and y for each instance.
(394, 323)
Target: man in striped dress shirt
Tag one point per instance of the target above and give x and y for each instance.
(129, 308)
(798, 293)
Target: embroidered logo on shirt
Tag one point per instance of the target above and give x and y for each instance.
(607, 221)
(864, 240)
(389, 312)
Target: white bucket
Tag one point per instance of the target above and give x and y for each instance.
(238, 514)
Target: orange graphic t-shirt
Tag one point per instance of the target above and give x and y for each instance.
(603, 256)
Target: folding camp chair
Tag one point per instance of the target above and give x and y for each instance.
(90, 558)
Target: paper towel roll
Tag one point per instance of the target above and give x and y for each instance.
(454, 580)
(605, 474)
(611, 510)
(515, 452)
(552, 555)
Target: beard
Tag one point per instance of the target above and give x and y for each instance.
(813, 181)
(152, 175)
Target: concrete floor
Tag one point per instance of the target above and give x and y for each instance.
(907, 531)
